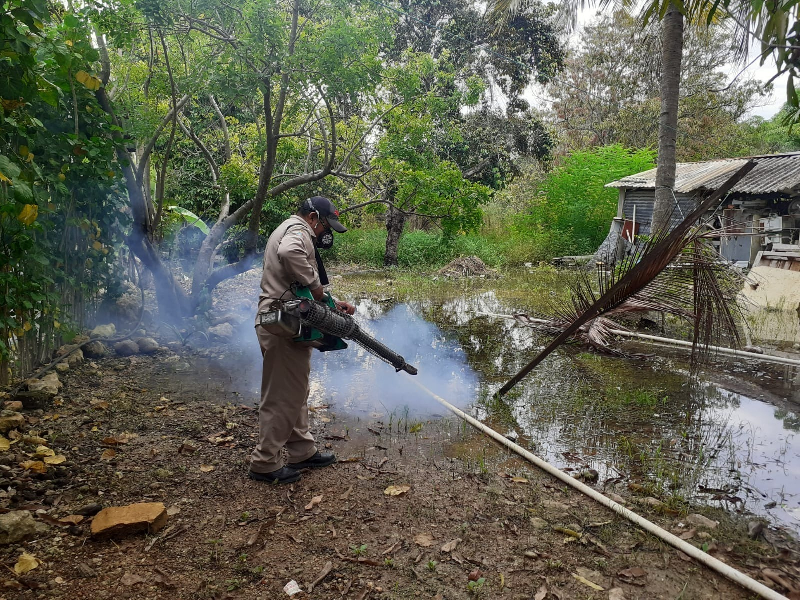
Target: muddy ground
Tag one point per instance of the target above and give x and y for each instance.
(471, 521)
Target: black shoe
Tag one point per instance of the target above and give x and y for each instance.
(282, 475)
(317, 461)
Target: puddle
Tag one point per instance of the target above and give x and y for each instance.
(728, 438)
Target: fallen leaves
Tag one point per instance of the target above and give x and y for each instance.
(423, 539)
(108, 454)
(71, 519)
(631, 573)
(36, 466)
(56, 459)
(27, 562)
(519, 480)
(397, 490)
(347, 493)
(314, 501)
(5, 444)
(119, 439)
(586, 582)
(207, 468)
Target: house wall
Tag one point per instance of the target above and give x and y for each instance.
(643, 200)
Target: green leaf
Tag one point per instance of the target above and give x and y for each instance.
(8, 168)
(191, 218)
(71, 21)
(23, 192)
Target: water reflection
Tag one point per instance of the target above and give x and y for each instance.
(643, 422)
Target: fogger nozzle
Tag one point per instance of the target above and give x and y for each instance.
(344, 326)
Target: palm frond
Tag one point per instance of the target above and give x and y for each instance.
(640, 270)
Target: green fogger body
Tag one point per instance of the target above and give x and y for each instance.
(321, 325)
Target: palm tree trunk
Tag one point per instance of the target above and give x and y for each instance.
(671, 56)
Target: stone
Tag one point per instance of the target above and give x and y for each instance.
(104, 331)
(221, 333)
(701, 521)
(10, 420)
(16, 526)
(76, 358)
(62, 367)
(125, 520)
(229, 318)
(126, 348)
(147, 345)
(48, 384)
(13, 405)
(96, 349)
(85, 570)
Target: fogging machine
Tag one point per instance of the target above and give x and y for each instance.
(321, 325)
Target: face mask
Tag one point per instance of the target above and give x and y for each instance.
(325, 239)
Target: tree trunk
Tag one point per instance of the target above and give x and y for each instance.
(395, 221)
(671, 56)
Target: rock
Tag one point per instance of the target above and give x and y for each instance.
(126, 348)
(147, 345)
(221, 333)
(650, 501)
(10, 420)
(13, 405)
(125, 520)
(48, 384)
(755, 529)
(701, 521)
(228, 318)
(589, 475)
(76, 358)
(105, 331)
(89, 509)
(62, 367)
(96, 349)
(32, 400)
(15, 526)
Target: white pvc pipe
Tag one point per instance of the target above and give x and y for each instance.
(685, 547)
(670, 341)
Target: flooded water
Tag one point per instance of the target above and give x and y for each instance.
(727, 437)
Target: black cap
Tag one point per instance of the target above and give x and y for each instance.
(326, 210)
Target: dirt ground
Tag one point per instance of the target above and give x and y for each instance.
(415, 508)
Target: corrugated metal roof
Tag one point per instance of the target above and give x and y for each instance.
(772, 174)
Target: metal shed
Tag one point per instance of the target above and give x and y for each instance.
(762, 211)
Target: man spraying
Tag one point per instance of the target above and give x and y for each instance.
(291, 259)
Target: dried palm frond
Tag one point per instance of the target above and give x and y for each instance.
(689, 277)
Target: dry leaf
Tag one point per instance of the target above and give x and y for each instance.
(34, 439)
(585, 581)
(616, 594)
(55, 460)
(36, 466)
(119, 439)
(187, 448)
(451, 545)
(632, 572)
(42, 451)
(347, 493)
(71, 519)
(129, 579)
(541, 593)
(423, 539)
(314, 501)
(108, 454)
(396, 490)
(207, 468)
(101, 404)
(519, 480)
(687, 535)
(27, 562)
(4, 444)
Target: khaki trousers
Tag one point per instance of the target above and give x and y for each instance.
(283, 412)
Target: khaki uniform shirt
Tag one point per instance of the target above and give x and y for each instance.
(288, 258)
